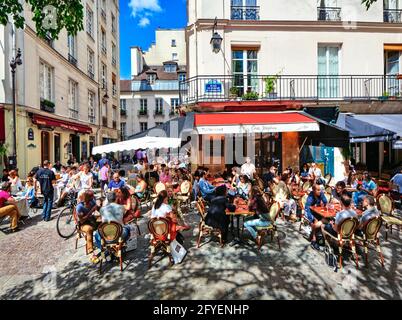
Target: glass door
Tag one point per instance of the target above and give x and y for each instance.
(392, 69)
(245, 70)
(328, 72)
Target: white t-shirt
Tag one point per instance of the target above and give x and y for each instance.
(248, 169)
(316, 172)
(84, 179)
(163, 210)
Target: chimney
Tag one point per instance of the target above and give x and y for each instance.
(136, 61)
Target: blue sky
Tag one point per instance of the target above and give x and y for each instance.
(138, 21)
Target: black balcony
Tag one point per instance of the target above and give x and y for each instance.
(143, 113)
(91, 74)
(329, 14)
(72, 59)
(47, 105)
(245, 13)
(290, 87)
(393, 15)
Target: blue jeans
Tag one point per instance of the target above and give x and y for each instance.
(250, 224)
(125, 235)
(47, 207)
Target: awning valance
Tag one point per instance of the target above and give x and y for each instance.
(140, 143)
(50, 122)
(258, 122)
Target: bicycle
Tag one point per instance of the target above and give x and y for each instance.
(67, 223)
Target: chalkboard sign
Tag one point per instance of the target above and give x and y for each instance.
(31, 134)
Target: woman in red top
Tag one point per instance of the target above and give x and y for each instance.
(130, 203)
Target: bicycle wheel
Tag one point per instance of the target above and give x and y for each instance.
(66, 226)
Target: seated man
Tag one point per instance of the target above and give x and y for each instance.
(85, 212)
(347, 212)
(116, 182)
(316, 197)
(7, 206)
(113, 212)
(338, 191)
(370, 212)
(368, 187)
(206, 189)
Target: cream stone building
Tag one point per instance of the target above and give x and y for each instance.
(67, 88)
(151, 96)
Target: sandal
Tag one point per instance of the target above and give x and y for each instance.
(94, 259)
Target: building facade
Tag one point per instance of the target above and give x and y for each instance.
(151, 97)
(295, 54)
(67, 89)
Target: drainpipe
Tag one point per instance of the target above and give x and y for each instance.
(99, 90)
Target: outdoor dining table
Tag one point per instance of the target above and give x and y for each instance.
(330, 213)
(22, 204)
(243, 211)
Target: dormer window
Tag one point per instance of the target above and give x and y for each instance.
(182, 77)
(151, 77)
(170, 67)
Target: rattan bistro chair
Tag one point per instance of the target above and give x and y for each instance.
(386, 206)
(370, 236)
(160, 239)
(345, 235)
(203, 229)
(111, 240)
(302, 204)
(271, 229)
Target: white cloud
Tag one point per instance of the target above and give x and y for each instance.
(144, 22)
(138, 6)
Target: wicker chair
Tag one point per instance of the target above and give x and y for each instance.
(328, 178)
(346, 235)
(306, 185)
(370, 236)
(386, 206)
(111, 240)
(205, 230)
(160, 239)
(328, 196)
(262, 232)
(328, 189)
(302, 204)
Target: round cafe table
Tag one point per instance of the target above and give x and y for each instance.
(22, 204)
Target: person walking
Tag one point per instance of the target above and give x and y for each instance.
(46, 179)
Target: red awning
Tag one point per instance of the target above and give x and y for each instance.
(2, 126)
(45, 121)
(237, 123)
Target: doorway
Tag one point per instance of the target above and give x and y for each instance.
(45, 146)
(56, 147)
(75, 146)
(372, 156)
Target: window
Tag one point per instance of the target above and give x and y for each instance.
(391, 69)
(104, 114)
(245, 10)
(113, 54)
(114, 117)
(328, 10)
(103, 10)
(245, 69)
(91, 107)
(123, 104)
(104, 76)
(170, 68)
(103, 41)
(113, 24)
(174, 56)
(90, 22)
(143, 126)
(151, 78)
(73, 99)
(72, 49)
(328, 66)
(123, 132)
(173, 42)
(159, 103)
(114, 87)
(143, 106)
(182, 77)
(392, 11)
(46, 78)
(174, 102)
(91, 63)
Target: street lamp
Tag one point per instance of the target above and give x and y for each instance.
(16, 61)
(216, 40)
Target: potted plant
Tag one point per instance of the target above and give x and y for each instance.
(234, 93)
(250, 95)
(270, 86)
(385, 96)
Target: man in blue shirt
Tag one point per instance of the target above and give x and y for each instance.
(206, 189)
(103, 161)
(367, 188)
(315, 198)
(116, 182)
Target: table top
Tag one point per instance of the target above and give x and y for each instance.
(330, 213)
(241, 210)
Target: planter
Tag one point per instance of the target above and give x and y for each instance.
(233, 97)
(272, 95)
(383, 98)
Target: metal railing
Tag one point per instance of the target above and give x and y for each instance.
(143, 113)
(158, 112)
(329, 14)
(245, 13)
(73, 113)
(91, 119)
(72, 59)
(290, 87)
(393, 15)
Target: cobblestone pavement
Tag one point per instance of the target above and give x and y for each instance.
(37, 264)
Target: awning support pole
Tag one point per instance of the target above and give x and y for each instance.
(304, 142)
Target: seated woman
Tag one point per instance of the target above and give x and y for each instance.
(29, 192)
(282, 196)
(7, 205)
(244, 187)
(16, 185)
(141, 186)
(162, 209)
(216, 216)
(130, 204)
(260, 207)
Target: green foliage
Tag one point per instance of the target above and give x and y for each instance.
(252, 95)
(50, 16)
(368, 3)
(234, 91)
(48, 103)
(3, 149)
(270, 83)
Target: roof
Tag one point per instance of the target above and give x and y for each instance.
(160, 72)
(125, 85)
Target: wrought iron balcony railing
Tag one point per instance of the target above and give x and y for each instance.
(143, 113)
(290, 87)
(245, 13)
(73, 113)
(329, 14)
(72, 59)
(393, 15)
(92, 119)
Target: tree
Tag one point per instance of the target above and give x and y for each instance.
(50, 16)
(368, 3)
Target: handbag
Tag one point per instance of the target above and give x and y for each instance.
(178, 251)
